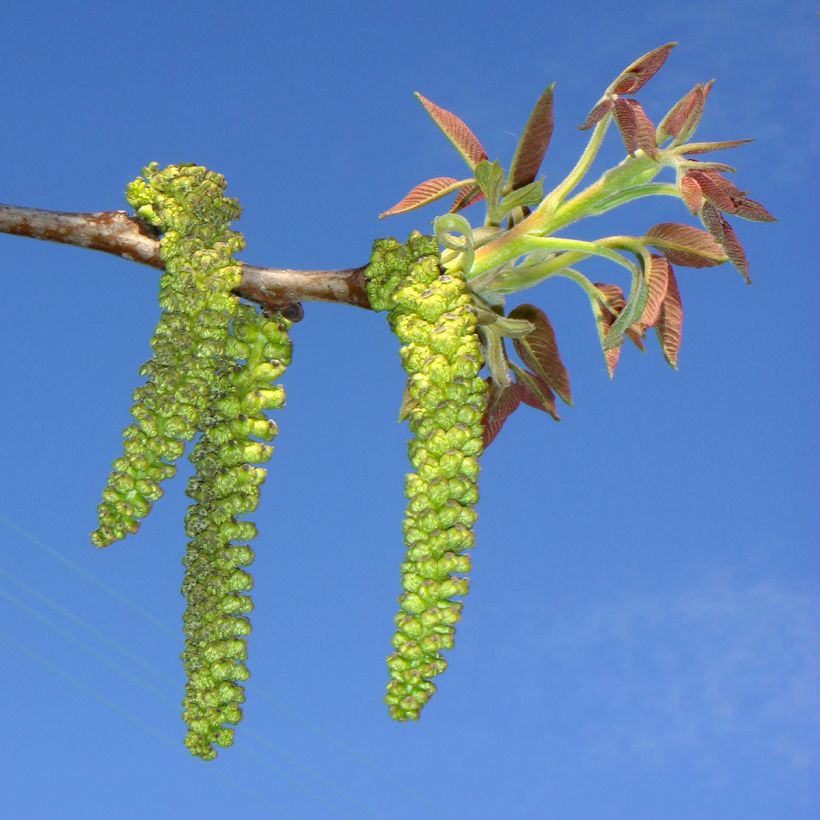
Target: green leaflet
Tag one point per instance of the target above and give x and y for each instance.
(186, 203)
(226, 486)
(431, 314)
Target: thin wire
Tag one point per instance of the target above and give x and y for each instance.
(295, 716)
(134, 721)
(90, 577)
(298, 718)
(160, 694)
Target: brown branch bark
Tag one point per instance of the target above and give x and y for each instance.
(116, 233)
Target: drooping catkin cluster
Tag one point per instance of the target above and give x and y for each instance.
(211, 372)
(430, 313)
(186, 203)
(225, 486)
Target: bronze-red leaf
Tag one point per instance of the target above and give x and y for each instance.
(706, 147)
(657, 279)
(749, 209)
(600, 110)
(717, 189)
(725, 235)
(690, 193)
(462, 138)
(468, 195)
(501, 403)
(669, 323)
(685, 245)
(534, 391)
(604, 319)
(684, 117)
(423, 194)
(637, 74)
(539, 350)
(686, 109)
(625, 120)
(644, 129)
(533, 144)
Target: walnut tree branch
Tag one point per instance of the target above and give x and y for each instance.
(116, 233)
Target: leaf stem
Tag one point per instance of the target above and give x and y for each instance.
(554, 199)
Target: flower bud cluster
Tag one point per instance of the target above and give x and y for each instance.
(431, 314)
(186, 203)
(225, 486)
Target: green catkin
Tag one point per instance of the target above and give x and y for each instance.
(186, 204)
(225, 486)
(431, 314)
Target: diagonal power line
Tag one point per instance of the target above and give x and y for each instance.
(299, 719)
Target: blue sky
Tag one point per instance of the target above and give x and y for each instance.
(640, 636)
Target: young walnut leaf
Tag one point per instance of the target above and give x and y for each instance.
(600, 110)
(628, 81)
(605, 319)
(718, 190)
(456, 131)
(423, 194)
(636, 76)
(501, 403)
(539, 350)
(468, 195)
(725, 235)
(685, 245)
(706, 147)
(532, 146)
(534, 391)
(725, 195)
(684, 117)
(669, 322)
(636, 129)
(749, 209)
(657, 280)
(690, 193)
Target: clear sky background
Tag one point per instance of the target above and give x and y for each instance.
(640, 636)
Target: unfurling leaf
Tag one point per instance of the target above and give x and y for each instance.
(722, 231)
(600, 110)
(539, 350)
(670, 320)
(684, 117)
(423, 194)
(637, 74)
(534, 391)
(501, 403)
(685, 245)
(657, 279)
(490, 178)
(532, 146)
(605, 318)
(629, 314)
(461, 137)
